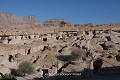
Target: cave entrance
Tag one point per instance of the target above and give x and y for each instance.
(118, 57)
(29, 37)
(10, 58)
(104, 47)
(97, 65)
(44, 39)
(108, 38)
(9, 40)
(75, 34)
(57, 37)
(45, 73)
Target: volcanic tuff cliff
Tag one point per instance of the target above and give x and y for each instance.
(26, 39)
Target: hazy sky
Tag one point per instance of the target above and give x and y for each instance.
(76, 11)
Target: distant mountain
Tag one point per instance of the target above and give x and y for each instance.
(56, 22)
(10, 20)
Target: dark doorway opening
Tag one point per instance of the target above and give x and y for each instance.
(10, 58)
(108, 38)
(75, 34)
(104, 47)
(9, 40)
(44, 39)
(97, 65)
(45, 73)
(57, 37)
(29, 37)
(118, 57)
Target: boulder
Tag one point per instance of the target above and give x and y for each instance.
(34, 49)
(4, 53)
(98, 47)
(22, 51)
(5, 41)
(115, 39)
(53, 71)
(32, 36)
(8, 64)
(23, 37)
(4, 70)
(41, 47)
(13, 52)
(75, 68)
(18, 37)
(14, 41)
(66, 51)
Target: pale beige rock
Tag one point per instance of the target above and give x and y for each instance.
(5, 41)
(12, 65)
(4, 70)
(23, 39)
(18, 37)
(41, 47)
(32, 36)
(22, 51)
(14, 41)
(34, 49)
(53, 71)
(13, 52)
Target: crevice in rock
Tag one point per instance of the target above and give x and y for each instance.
(117, 43)
(36, 59)
(61, 49)
(108, 38)
(118, 57)
(28, 51)
(109, 57)
(104, 46)
(64, 66)
(76, 45)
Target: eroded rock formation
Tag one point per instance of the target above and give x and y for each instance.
(26, 39)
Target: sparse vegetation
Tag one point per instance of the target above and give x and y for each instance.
(78, 54)
(7, 77)
(25, 68)
(75, 55)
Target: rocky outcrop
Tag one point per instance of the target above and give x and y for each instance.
(10, 20)
(41, 45)
(4, 70)
(56, 22)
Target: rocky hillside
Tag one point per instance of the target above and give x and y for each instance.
(52, 45)
(10, 21)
